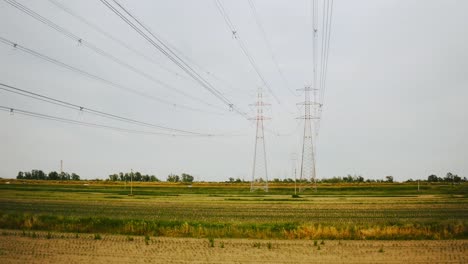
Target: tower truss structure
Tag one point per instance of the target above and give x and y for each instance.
(259, 170)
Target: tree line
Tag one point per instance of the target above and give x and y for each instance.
(133, 176)
(449, 178)
(53, 176)
(137, 176)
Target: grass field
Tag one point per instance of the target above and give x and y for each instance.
(365, 211)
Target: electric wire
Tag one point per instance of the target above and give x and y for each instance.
(102, 52)
(111, 37)
(268, 44)
(243, 47)
(90, 124)
(156, 42)
(81, 108)
(327, 15)
(95, 77)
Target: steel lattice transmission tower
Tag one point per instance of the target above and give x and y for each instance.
(308, 170)
(259, 170)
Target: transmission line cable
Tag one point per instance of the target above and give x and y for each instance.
(156, 42)
(95, 77)
(265, 38)
(243, 47)
(111, 37)
(89, 124)
(138, 53)
(327, 15)
(81, 108)
(100, 51)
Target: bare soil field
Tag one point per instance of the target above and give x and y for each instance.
(44, 247)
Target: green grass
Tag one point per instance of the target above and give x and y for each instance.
(385, 211)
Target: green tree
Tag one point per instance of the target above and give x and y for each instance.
(20, 175)
(187, 178)
(137, 176)
(53, 175)
(432, 178)
(75, 176)
(173, 178)
(389, 178)
(154, 178)
(112, 177)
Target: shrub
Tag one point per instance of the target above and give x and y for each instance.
(97, 237)
(211, 241)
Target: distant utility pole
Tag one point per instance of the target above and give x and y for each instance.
(294, 169)
(61, 166)
(131, 182)
(259, 171)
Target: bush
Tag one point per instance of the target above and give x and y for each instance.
(211, 241)
(97, 237)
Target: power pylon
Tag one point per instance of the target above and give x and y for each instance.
(259, 171)
(308, 170)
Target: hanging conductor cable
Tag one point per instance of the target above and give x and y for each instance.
(102, 52)
(95, 77)
(272, 54)
(13, 111)
(235, 35)
(156, 42)
(81, 108)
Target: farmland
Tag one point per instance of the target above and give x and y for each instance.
(356, 212)
(42, 247)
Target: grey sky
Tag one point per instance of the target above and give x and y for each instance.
(395, 101)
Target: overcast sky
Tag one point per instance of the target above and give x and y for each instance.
(395, 101)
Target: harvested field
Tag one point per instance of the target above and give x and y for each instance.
(438, 212)
(42, 247)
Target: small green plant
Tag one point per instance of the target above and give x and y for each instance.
(221, 245)
(295, 196)
(129, 238)
(315, 243)
(318, 248)
(49, 235)
(147, 239)
(322, 243)
(76, 235)
(97, 237)
(211, 241)
(381, 250)
(269, 245)
(257, 244)
(34, 235)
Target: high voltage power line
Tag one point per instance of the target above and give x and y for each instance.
(96, 77)
(236, 36)
(135, 51)
(157, 42)
(326, 29)
(109, 36)
(100, 51)
(89, 124)
(81, 108)
(265, 38)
